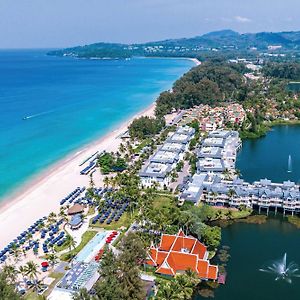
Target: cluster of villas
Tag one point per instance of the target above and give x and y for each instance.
(158, 168)
(218, 151)
(218, 154)
(262, 194)
(212, 118)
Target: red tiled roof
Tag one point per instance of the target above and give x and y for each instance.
(199, 249)
(202, 268)
(166, 242)
(184, 243)
(212, 272)
(181, 253)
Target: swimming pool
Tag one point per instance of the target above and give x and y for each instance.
(92, 247)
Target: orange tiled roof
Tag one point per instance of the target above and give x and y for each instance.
(212, 272)
(183, 243)
(165, 271)
(180, 261)
(180, 253)
(202, 268)
(166, 242)
(199, 249)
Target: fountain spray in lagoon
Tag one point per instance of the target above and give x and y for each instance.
(290, 164)
(281, 270)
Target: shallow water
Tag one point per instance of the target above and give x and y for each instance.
(67, 103)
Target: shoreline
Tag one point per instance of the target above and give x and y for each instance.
(37, 198)
(42, 193)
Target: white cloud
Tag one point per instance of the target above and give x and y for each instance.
(241, 19)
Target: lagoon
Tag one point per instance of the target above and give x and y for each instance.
(267, 157)
(251, 247)
(254, 246)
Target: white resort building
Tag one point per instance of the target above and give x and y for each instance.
(159, 166)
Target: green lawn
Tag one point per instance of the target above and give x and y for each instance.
(143, 144)
(86, 237)
(162, 200)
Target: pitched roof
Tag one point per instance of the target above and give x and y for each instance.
(178, 253)
(75, 209)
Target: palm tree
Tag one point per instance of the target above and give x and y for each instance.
(71, 242)
(11, 273)
(82, 295)
(31, 270)
(62, 214)
(52, 258)
(226, 173)
(214, 195)
(185, 285)
(229, 214)
(122, 148)
(231, 193)
(22, 271)
(237, 172)
(16, 252)
(106, 181)
(51, 217)
(166, 291)
(92, 183)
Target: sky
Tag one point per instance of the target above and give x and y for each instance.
(64, 23)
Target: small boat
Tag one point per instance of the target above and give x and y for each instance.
(25, 118)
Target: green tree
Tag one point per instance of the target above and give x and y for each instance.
(82, 295)
(7, 288)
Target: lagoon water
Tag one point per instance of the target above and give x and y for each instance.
(254, 246)
(68, 103)
(268, 156)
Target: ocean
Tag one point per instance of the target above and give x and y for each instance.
(67, 103)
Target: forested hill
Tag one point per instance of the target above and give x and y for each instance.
(225, 40)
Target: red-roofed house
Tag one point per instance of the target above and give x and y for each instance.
(179, 253)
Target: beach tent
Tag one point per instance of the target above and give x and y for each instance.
(75, 209)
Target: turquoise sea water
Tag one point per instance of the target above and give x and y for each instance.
(69, 102)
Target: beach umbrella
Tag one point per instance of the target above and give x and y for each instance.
(45, 264)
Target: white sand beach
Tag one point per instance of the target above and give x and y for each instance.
(43, 194)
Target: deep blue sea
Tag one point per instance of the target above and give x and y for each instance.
(69, 102)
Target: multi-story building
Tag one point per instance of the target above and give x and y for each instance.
(159, 166)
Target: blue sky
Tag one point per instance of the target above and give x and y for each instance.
(61, 23)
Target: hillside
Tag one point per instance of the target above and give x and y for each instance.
(225, 40)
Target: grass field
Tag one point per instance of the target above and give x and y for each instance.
(86, 237)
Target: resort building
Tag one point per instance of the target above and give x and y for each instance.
(179, 253)
(159, 166)
(263, 195)
(83, 272)
(218, 151)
